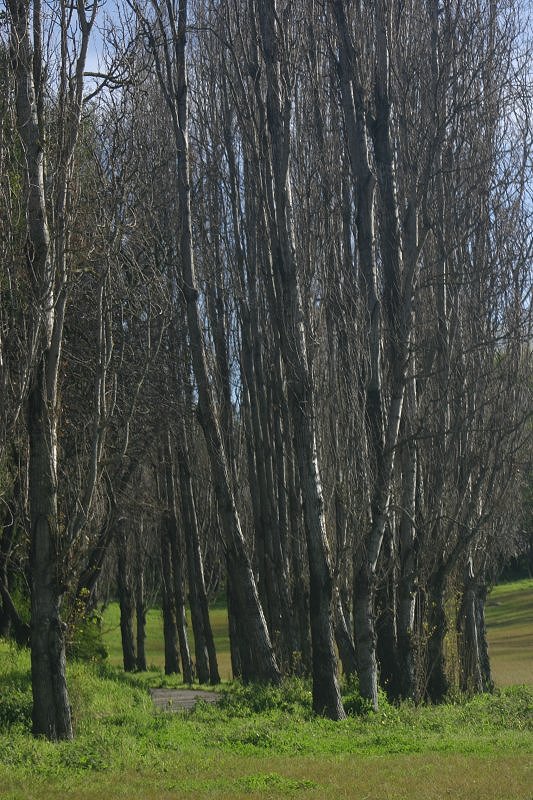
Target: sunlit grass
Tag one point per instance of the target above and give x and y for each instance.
(510, 633)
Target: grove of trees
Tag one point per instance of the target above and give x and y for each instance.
(265, 330)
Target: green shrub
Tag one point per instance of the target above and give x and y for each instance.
(85, 641)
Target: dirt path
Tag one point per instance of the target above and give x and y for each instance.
(178, 699)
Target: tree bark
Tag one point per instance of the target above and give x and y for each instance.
(437, 683)
(126, 598)
(140, 614)
(343, 637)
(170, 628)
(205, 655)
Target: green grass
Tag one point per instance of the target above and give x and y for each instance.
(264, 742)
(510, 632)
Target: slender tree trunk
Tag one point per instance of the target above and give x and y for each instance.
(299, 568)
(125, 598)
(170, 628)
(365, 638)
(407, 581)
(140, 613)
(386, 625)
(171, 523)
(197, 593)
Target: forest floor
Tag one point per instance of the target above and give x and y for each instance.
(266, 743)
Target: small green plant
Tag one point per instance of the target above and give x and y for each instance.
(85, 639)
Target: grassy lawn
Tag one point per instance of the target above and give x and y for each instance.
(510, 632)
(265, 743)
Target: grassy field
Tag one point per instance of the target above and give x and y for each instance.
(510, 633)
(265, 743)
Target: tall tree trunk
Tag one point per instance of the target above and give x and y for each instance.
(140, 606)
(171, 524)
(326, 694)
(206, 663)
(386, 623)
(51, 708)
(407, 582)
(472, 641)
(126, 598)
(170, 628)
(299, 568)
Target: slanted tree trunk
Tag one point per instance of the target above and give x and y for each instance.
(343, 637)
(172, 74)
